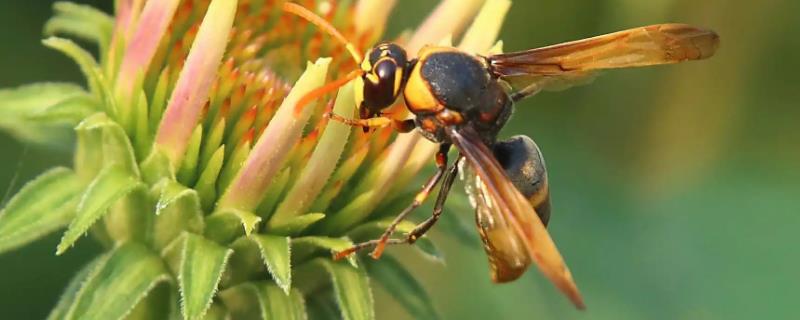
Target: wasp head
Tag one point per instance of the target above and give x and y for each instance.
(384, 69)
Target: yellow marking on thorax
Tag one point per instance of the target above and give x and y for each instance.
(418, 94)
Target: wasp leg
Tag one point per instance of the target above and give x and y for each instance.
(380, 243)
(438, 207)
(402, 126)
(366, 244)
(441, 165)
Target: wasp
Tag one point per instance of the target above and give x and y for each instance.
(462, 100)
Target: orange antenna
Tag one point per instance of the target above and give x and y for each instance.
(324, 25)
(321, 91)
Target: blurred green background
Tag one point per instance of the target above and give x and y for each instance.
(676, 189)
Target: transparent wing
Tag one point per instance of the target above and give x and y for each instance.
(512, 209)
(572, 62)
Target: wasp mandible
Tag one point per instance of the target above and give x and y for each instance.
(463, 100)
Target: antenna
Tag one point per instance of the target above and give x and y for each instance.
(324, 25)
(321, 91)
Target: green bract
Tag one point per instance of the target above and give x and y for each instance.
(212, 196)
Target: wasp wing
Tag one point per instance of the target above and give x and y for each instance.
(557, 66)
(508, 256)
(514, 210)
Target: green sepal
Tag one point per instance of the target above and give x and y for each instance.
(297, 225)
(103, 133)
(350, 285)
(276, 254)
(225, 225)
(275, 304)
(122, 279)
(217, 312)
(160, 303)
(403, 286)
(42, 206)
(305, 247)
(263, 300)
(110, 185)
(67, 297)
(201, 269)
(176, 210)
(157, 167)
(131, 217)
(242, 301)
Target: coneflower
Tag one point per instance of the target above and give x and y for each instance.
(212, 198)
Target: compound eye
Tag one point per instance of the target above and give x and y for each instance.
(386, 70)
(379, 87)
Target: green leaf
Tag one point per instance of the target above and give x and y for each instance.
(158, 304)
(69, 111)
(242, 301)
(216, 312)
(81, 21)
(228, 224)
(88, 65)
(18, 104)
(374, 229)
(42, 206)
(107, 135)
(304, 247)
(350, 286)
(119, 282)
(276, 253)
(177, 210)
(275, 304)
(156, 167)
(321, 306)
(68, 296)
(296, 225)
(201, 269)
(403, 286)
(110, 185)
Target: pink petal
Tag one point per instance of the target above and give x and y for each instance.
(274, 145)
(194, 83)
(151, 28)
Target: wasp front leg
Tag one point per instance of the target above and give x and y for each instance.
(402, 126)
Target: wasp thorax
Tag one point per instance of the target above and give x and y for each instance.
(384, 68)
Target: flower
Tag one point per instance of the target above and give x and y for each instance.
(194, 172)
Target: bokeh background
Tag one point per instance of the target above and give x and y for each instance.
(676, 189)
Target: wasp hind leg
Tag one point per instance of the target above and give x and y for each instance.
(438, 207)
(380, 243)
(402, 126)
